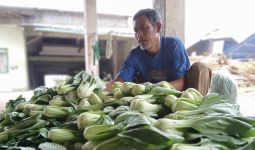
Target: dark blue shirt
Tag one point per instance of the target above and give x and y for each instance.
(170, 63)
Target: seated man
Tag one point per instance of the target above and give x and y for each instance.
(160, 58)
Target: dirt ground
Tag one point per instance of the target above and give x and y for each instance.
(247, 103)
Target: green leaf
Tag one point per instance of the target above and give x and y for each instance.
(249, 146)
(51, 146)
(140, 120)
(119, 110)
(227, 140)
(152, 137)
(210, 100)
(221, 125)
(250, 120)
(41, 90)
(28, 134)
(108, 109)
(230, 141)
(224, 108)
(28, 122)
(118, 143)
(43, 99)
(44, 132)
(101, 132)
(11, 104)
(27, 148)
(126, 117)
(104, 119)
(164, 91)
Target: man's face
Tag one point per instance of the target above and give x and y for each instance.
(145, 33)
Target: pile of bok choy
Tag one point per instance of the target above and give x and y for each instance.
(77, 114)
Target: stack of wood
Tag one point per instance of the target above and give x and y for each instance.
(244, 70)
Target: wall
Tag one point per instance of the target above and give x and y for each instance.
(121, 49)
(16, 79)
(173, 17)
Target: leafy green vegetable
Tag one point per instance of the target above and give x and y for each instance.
(164, 91)
(59, 135)
(51, 146)
(101, 132)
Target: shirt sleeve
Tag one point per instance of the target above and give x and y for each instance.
(127, 70)
(181, 63)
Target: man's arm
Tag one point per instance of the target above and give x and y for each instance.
(178, 84)
(109, 85)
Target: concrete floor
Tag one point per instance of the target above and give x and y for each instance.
(247, 103)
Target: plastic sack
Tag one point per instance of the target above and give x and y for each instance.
(225, 85)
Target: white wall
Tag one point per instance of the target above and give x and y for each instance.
(12, 38)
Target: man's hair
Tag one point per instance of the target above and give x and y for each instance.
(152, 14)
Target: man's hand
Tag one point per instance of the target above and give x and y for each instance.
(109, 85)
(178, 84)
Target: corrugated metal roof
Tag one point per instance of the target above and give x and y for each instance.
(244, 50)
(206, 46)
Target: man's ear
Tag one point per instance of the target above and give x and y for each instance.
(158, 27)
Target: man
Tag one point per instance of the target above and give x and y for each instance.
(157, 58)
